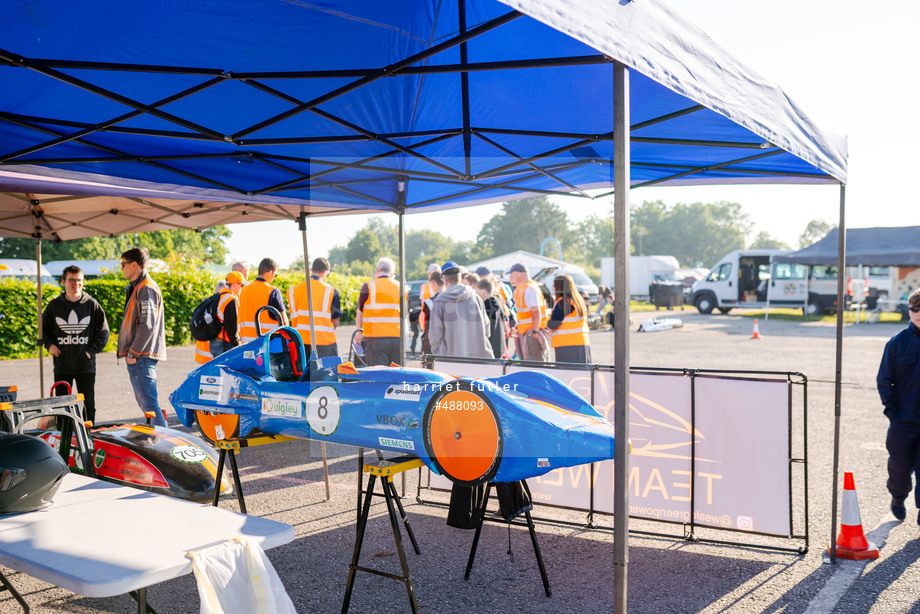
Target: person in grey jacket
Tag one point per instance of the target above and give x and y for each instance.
(459, 325)
(142, 338)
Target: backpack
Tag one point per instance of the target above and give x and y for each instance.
(204, 324)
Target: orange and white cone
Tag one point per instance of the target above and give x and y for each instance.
(756, 334)
(851, 542)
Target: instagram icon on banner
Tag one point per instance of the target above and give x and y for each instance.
(744, 523)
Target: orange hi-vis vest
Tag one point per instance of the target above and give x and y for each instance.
(252, 297)
(203, 348)
(203, 352)
(226, 297)
(523, 310)
(381, 311)
(572, 331)
(426, 292)
(322, 311)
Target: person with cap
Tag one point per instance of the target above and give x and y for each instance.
(378, 315)
(532, 336)
(256, 295)
(226, 311)
(327, 310)
(459, 324)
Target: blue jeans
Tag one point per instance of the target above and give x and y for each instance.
(143, 374)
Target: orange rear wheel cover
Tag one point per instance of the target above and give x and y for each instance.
(209, 423)
(463, 435)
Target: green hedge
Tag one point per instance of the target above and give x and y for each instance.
(185, 285)
(19, 325)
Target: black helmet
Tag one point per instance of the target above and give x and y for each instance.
(30, 473)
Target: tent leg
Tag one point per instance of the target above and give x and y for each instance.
(38, 307)
(621, 163)
(403, 307)
(838, 370)
(302, 221)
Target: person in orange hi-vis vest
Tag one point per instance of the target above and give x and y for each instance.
(569, 322)
(326, 310)
(259, 294)
(531, 335)
(227, 314)
(378, 315)
(427, 292)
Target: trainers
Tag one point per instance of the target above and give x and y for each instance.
(899, 511)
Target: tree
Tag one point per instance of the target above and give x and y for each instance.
(378, 239)
(763, 240)
(364, 246)
(593, 241)
(698, 233)
(205, 246)
(814, 231)
(523, 224)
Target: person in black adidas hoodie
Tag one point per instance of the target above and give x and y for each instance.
(75, 330)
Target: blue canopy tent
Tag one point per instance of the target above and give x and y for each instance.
(403, 106)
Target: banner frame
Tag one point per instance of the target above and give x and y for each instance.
(793, 378)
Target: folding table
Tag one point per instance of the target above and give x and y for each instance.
(100, 540)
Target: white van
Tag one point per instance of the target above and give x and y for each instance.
(94, 268)
(751, 279)
(21, 268)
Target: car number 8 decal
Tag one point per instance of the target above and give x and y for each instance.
(323, 410)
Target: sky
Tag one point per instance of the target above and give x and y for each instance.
(841, 61)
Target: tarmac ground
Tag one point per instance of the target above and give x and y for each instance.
(284, 482)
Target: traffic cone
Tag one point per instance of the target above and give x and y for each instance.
(851, 542)
(756, 334)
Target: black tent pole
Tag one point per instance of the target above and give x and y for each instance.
(838, 373)
(621, 162)
(38, 304)
(302, 222)
(403, 308)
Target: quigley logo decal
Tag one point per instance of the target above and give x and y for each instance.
(281, 406)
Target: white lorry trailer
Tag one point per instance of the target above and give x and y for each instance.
(643, 271)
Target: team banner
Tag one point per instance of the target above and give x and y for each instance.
(740, 442)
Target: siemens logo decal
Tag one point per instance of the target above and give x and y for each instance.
(280, 406)
(402, 444)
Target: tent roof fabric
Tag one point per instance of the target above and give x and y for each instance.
(64, 217)
(404, 106)
(895, 246)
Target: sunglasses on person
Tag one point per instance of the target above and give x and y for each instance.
(914, 308)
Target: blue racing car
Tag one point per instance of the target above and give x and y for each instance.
(472, 431)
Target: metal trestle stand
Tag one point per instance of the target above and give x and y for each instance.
(385, 469)
(533, 538)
